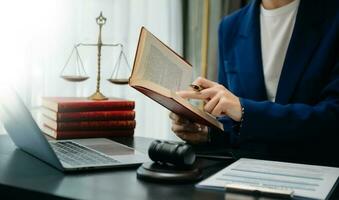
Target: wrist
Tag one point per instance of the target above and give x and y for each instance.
(242, 115)
(237, 111)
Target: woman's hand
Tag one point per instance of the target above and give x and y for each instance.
(186, 130)
(219, 101)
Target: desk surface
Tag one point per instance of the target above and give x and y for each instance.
(24, 175)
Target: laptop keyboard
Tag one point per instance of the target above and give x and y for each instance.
(75, 154)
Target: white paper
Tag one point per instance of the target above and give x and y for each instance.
(308, 181)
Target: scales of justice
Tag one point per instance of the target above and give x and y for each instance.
(80, 74)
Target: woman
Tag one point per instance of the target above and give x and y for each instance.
(278, 83)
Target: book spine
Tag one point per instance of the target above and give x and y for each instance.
(87, 134)
(97, 134)
(95, 106)
(87, 116)
(93, 125)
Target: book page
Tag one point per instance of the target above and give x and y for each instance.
(162, 67)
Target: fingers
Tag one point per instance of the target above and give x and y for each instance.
(190, 94)
(210, 92)
(177, 119)
(188, 131)
(192, 133)
(205, 94)
(210, 89)
(173, 116)
(193, 138)
(205, 83)
(185, 128)
(177, 126)
(210, 105)
(220, 106)
(180, 124)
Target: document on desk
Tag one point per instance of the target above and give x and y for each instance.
(306, 181)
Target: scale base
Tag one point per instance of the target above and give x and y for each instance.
(97, 96)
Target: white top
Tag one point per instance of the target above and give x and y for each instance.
(276, 27)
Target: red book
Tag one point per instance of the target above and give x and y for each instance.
(85, 134)
(88, 116)
(89, 125)
(77, 104)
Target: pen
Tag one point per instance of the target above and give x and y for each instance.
(283, 193)
(196, 88)
(214, 157)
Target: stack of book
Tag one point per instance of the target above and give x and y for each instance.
(75, 117)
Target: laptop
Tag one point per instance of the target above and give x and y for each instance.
(65, 155)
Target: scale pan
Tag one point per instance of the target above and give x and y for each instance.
(75, 78)
(118, 81)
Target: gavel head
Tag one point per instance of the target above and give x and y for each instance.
(173, 153)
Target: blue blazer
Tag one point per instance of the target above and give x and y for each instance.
(303, 122)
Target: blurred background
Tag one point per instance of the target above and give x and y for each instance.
(37, 37)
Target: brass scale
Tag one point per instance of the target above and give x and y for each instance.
(97, 95)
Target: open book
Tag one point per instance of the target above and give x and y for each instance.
(158, 72)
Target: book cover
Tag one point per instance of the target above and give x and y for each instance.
(85, 134)
(89, 125)
(158, 72)
(77, 104)
(88, 116)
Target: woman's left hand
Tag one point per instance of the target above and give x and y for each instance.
(219, 100)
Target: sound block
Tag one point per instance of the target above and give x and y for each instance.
(151, 171)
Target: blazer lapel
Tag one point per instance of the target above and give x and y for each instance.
(304, 39)
(248, 55)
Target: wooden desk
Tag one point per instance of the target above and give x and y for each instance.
(25, 177)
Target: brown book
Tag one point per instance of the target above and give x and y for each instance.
(85, 134)
(89, 125)
(77, 104)
(158, 72)
(88, 116)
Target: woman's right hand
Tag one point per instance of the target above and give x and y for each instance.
(188, 131)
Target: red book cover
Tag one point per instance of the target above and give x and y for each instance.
(89, 125)
(85, 134)
(77, 104)
(89, 116)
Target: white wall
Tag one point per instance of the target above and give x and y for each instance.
(38, 35)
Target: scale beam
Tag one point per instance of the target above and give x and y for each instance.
(97, 95)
